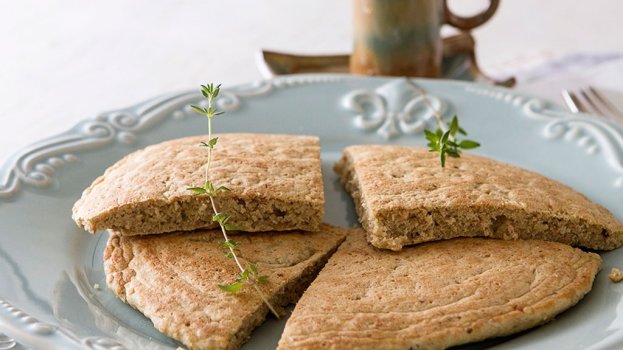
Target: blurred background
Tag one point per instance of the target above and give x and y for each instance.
(66, 60)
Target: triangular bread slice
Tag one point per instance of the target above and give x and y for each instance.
(403, 196)
(438, 294)
(173, 279)
(275, 182)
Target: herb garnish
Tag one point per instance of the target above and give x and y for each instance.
(444, 139)
(249, 275)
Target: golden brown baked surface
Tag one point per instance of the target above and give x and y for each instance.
(436, 295)
(275, 182)
(404, 197)
(173, 278)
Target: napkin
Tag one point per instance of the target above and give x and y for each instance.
(572, 72)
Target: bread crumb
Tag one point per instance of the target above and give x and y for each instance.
(615, 275)
(96, 286)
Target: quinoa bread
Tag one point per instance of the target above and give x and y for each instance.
(275, 182)
(173, 279)
(404, 197)
(438, 294)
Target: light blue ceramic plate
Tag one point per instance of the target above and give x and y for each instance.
(52, 289)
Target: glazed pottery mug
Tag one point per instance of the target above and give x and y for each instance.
(402, 37)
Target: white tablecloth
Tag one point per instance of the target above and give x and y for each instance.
(65, 60)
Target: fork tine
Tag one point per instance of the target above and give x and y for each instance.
(570, 101)
(596, 110)
(605, 102)
(573, 102)
(591, 101)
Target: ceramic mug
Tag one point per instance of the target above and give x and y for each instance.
(402, 37)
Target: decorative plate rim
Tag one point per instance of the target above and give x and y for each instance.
(35, 165)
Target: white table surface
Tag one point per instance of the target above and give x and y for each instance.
(65, 60)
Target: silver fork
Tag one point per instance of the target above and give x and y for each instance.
(589, 100)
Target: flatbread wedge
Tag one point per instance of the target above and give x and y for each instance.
(403, 197)
(436, 295)
(173, 279)
(275, 183)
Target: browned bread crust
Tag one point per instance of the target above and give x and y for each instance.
(173, 279)
(275, 183)
(436, 295)
(404, 197)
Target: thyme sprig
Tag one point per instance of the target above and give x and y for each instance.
(447, 143)
(444, 140)
(249, 275)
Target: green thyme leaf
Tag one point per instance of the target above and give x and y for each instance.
(222, 189)
(431, 136)
(446, 143)
(198, 109)
(197, 190)
(209, 186)
(221, 218)
(206, 91)
(232, 227)
(230, 244)
(253, 269)
(469, 144)
(210, 144)
(210, 189)
(232, 287)
(453, 152)
(454, 126)
(211, 111)
(444, 137)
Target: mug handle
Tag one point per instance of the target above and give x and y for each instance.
(467, 23)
